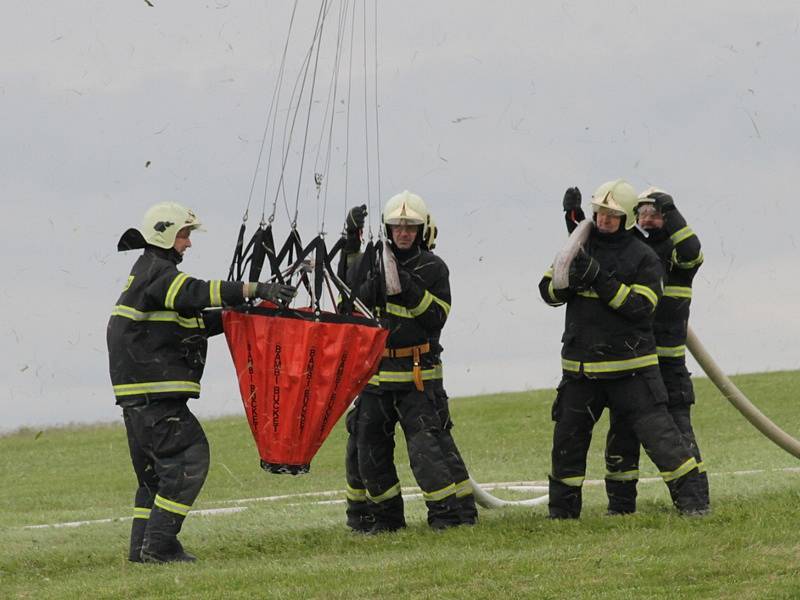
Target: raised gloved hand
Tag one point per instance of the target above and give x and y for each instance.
(583, 271)
(277, 293)
(664, 202)
(572, 199)
(355, 219)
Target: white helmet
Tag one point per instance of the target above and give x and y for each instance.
(160, 227)
(644, 197)
(619, 197)
(406, 208)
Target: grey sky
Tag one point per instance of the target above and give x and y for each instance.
(488, 110)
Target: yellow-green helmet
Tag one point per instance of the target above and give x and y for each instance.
(406, 208)
(160, 227)
(619, 197)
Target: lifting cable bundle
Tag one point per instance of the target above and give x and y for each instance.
(300, 368)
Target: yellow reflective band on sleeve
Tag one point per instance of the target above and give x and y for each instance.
(427, 300)
(681, 235)
(215, 292)
(406, 313)
(463, 488)
(623, 475)
(576, 481)
(549, 273)
(701, 467)
(171, 506)
(680, 471)
(620, 296)
(439, 495)
(128, 284)
(445, 306)
(174, 288)
(356, 494)
(398, 311)
(613, 366)
(436, 372)
(155, 387)
(671, 351)
(588, 294)
(677, 291)
(646, 292)
(387, 495)
(571, 365)
(689, 264)
(140, 512)
(163, 316)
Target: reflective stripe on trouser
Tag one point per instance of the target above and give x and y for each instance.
(640, 401)
(467, 511)
(359, 515)
(378, 414)
(622, 466)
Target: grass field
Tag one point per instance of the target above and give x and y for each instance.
(298, 547)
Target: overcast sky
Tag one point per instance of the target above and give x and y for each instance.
(488, 110)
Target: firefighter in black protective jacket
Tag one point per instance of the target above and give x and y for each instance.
(609, 357)
(157, 340)
(405, 388)
(662, 227)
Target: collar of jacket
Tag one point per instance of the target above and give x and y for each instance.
(654, 236)
(167, 254)
(619, 238)
(405, 256)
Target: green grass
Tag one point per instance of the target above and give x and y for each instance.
(294, 548)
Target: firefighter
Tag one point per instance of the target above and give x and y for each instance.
(664, 229)
(609, 357)
(359, 515)
(157, 340)
(405, 388)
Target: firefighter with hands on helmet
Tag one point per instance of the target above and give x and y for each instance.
(609, 357)
(408, 386)
(157, 341)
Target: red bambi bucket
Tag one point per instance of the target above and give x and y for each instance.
(298, 372)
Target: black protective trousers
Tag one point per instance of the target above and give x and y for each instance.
(374, 420)
(170, 456)
(638, 399)
(622, 445)
(359, 515)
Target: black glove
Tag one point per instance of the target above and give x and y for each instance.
(583, 271)
(572, 199)
(664, 202)
(355, 219)
(277, 293)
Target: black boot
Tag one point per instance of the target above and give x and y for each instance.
(389, 515)
(565, 501)
(467, 511)
(137, 538)
(688, 494)
(443, 514)
(161, 543)
(621, 496)
(359, 517)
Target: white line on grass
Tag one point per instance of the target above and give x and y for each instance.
(517, 486)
